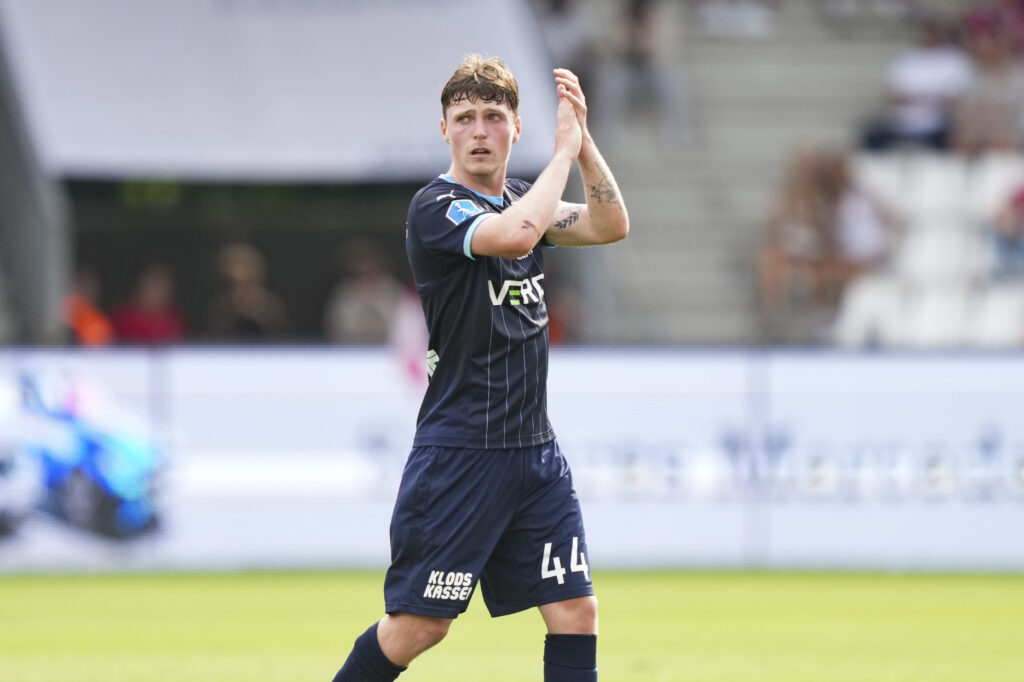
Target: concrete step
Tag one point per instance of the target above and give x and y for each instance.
(827, 49)
(680, 289)
(719, 328)
(715, 204)
(796, 21)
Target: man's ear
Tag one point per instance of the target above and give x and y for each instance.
(444, 131)
(519, 129)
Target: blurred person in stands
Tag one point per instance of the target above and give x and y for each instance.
(361, 307)
(245, 309)
(863, 231)
(639, 83)
(990, 115)
(797, 243)
(88, 324)
(1006, 239)
(409, 340)
(1008, 15)
(923, 85)
(151, 315)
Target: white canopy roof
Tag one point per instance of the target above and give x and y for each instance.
(338, 90)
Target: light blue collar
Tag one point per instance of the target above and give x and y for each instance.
(497, 201)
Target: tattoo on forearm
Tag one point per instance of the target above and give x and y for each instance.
(567, 220)
(604, 191)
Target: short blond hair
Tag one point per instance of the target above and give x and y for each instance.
(481, 79)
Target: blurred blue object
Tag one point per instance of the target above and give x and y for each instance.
(98, 473)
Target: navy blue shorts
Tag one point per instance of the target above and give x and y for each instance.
(510, 518)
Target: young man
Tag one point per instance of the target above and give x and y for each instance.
(486, 493)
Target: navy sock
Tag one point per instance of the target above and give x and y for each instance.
(367, 663)
(570, 658)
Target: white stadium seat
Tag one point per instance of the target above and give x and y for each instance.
(934, 185)
(934, 317)
(991, 181)
(881, 176)
(869, 312)
(941, 251)
(996, 318)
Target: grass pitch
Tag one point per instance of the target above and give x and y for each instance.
(699, 627)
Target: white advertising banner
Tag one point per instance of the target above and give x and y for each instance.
(206, 459)
(340, 90)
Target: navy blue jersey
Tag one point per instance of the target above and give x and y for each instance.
(487, 323)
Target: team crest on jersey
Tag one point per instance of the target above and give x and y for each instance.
(461, 209)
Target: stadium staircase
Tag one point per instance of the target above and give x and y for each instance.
(687, 274)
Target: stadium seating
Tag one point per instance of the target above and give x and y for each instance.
(934, 316)
(922, 184)
(751, 102)
(687, 273)
(940, 250)
(992, 179)
(935, 291)
(996, 317)
(870, 312)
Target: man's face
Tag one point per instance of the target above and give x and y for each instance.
(480, 135)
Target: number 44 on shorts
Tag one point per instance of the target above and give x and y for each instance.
(551, 567)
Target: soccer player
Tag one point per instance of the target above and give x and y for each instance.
(486, 494)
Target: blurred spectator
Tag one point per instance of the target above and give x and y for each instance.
(409, 338)
(638, 82)
(863, 232)
(361, 307)
(151, 315)
(1006, 239)
(990, 115)
(923, 84)
(245, 309)
(797, 245)
(88, 324)
(1008, 15)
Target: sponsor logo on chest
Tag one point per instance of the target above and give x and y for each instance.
(517, 291)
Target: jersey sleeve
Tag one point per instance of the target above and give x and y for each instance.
(445, 219)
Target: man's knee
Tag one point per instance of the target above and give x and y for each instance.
(432, 630)
(572, 616)
(403, 636)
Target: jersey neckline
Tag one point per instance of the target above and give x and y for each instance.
(497, 201)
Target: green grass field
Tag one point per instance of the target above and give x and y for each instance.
(700, 627)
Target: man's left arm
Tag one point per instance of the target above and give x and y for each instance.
(603, 219)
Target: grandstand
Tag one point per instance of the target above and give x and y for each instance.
(936, 292)
(806, 73)
(687, 274)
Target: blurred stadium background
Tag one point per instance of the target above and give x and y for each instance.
(809, 344)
